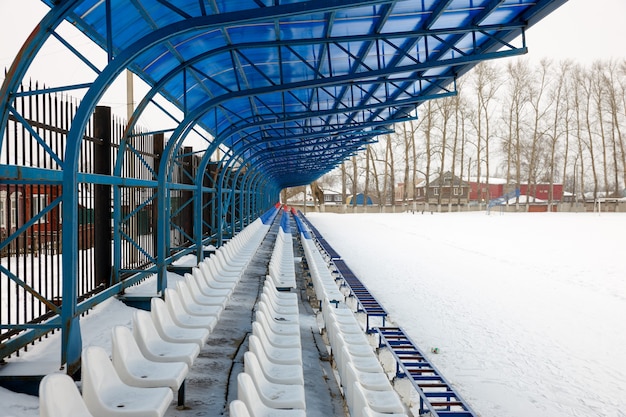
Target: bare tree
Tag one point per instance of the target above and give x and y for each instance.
(487, 82)
(518, 75)
(614, 90)
(586, 83)
(445, 107)
(539, 113)
(556, 94)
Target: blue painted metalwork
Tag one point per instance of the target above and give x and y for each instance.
(290, 89)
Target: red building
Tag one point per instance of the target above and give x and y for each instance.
(497, 187)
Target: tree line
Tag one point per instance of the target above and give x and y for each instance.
(524, 122)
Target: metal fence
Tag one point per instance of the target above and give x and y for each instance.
(31, 224)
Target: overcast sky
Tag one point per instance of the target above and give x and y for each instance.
(582, 30)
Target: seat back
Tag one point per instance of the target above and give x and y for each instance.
(246, 391)
(145, 332)
(238, 408)
(98, 376)
(160, 312)
(153, 347)
(59, 397)
(124, 350)
(253, 368)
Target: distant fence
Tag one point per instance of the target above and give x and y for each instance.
(604, 207)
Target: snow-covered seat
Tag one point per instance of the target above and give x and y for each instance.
(246, 391)
(380, 401)
(276, 339)
(106, 395)
(279, 355)
(277, 327)
(276, 298)
(222, 265)
(218, 273)
(283, 309)
(269, 285)
(232, 255)
(277, 373)
(272, 394)
(155, 348)
(188, 315)
(210, 274)
(278, 316)
(376, 381)
(369, 381)
(360, 363)
(199, 284)
(171, 331)
(237, 408)
(205, 305)
(59, 397)
(135, 370)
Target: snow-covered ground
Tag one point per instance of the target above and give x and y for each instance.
(528, 310)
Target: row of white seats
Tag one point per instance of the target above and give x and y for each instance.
(150, 363)
(323, 281)
(282, 270)
(272, 383)
(366, 387)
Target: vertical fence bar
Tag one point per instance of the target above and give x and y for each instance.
(102, 197)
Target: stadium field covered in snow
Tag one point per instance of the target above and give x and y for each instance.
(527, 310)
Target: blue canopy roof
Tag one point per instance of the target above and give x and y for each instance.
(294, 87)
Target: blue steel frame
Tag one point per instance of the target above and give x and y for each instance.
(286, 120)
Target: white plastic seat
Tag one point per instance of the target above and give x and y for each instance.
(379, 401)
(218, 273)
(278, 300)
(283, 309)
(205, 304)
(285, 295)
(370, 381)
(277, 373)
(277, 327)
(59, 397)
(209, 272)
(135, 370)
(277, 340)
(208, 282)
(172, 332)
(225, 267)
(237, 408)
(106, 395)
(272, 394)
(155, 348)
(232, 255)
(279, 355)
(246, 391)
(278, 316)
(188, 315)
(198, 286)
(360, 363)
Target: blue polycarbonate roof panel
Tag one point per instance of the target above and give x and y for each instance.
(296, 86)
